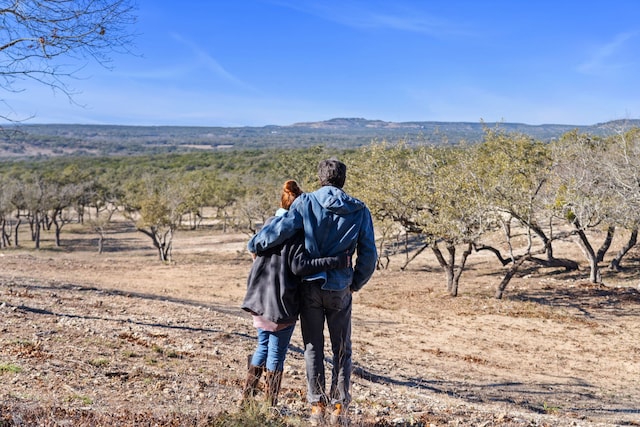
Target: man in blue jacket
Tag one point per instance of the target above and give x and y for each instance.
(333, 223)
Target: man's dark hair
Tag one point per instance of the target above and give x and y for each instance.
(332, 172)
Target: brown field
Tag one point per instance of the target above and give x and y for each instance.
(122, 339)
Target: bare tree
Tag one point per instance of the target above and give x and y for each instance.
(257, 205)
(36, 35)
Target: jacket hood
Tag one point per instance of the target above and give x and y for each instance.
(335, 200)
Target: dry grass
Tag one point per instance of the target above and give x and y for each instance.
(122, 339)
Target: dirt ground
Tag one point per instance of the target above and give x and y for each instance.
(123, 339)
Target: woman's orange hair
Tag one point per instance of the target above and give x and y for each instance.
(290, 190)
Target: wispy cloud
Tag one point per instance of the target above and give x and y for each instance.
(391, 15)
(602, 59)
(206, 60)
(199, 59)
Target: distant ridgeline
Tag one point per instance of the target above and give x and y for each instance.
(51, 140)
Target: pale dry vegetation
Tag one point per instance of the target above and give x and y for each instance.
(122, 339)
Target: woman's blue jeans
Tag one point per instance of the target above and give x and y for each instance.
(272, 348)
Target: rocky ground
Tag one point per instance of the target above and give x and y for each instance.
(122, 339)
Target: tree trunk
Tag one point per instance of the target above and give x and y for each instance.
(36, 235)
(606, 244)
(449, 266)
(80, 209)
(32, 225)
(453, 290)
(35, 230)
(590, 254)
(167, 245)
(458, 272)
(15, 239)
(225, 220)
(46, 221)
(567, 264)
(482, 247)
(633, 239)
(161, 243)
(448, 269)
(5, 237)
(507, 277)
(101, 232)
(416, 253)
(58, 228)
(382, 254)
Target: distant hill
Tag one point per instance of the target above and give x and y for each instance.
(46, 140)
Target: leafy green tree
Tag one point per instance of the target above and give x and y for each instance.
(221, 193)
(197, 186)
(156, 204)
(424, 190)
(100, 223)
(57, 200)
(460, 215)
(380, 176)
(301, 165)
(512, 173)
(104, 197)
(66, 194)
(583, 193)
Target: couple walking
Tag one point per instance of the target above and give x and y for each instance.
(302, 266)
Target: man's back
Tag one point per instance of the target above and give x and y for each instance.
(334, 223)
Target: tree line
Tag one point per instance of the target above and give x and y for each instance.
(510, 194)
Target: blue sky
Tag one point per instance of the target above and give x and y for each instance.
(261, 62)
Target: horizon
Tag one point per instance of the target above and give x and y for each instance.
(280, 62)
(311, 122)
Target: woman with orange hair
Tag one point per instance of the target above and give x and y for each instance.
(273, 299)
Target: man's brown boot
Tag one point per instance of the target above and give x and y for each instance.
(317, 414)
(339, 416)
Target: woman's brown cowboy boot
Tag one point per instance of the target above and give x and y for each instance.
(274, 380)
